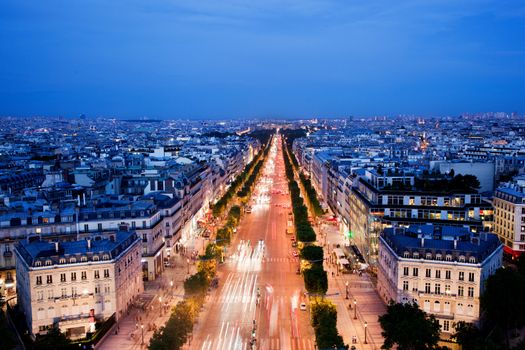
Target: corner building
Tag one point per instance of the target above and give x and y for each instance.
(73, 285)
(441, 268)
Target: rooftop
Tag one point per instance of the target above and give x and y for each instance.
(437, 242)
(42, 253)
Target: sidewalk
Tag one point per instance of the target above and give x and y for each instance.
(361, 289)
(130, 334)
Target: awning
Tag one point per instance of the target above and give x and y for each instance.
(511, 251)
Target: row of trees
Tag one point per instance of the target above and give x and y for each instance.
(180, 324)
(324, 314)
(311, 194)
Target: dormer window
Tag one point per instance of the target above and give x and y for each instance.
(96, 258)
(83, 259)
(38, 263)
(105, 257)
(73, 260)
(439, 257)
(472, 260)
(49, 263)
(428, 256)
(448, 257)
(461, 258)
(416, 255)
(406, 254)
(62, 261)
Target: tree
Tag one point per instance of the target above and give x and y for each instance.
(471, 337)
(324, 323)
(5, 333)
(312, 253)
(54, 339)
(315, 280)
(401, 324)
(503, 300)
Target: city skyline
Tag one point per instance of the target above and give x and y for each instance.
(305, 59)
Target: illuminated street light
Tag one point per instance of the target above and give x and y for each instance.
(188, 261)
(142, 342)
(366, 325)
(355, 309)
(346, 284)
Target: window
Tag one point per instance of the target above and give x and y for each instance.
(428, 273)
(86, 228)
(74, 291)
(471, 292)
(405, 285)
(447, 274)
(461, 258)
(447, 288)
(448, 257)
(96, 258)
(405, 271)
(99, 226)
(438, 257)
(64, 292)
(38, 280)
(437, 306)
(62, 261)
(83, 259)
(62, 277)
(426, 305)
(461, 275)
(97, 289)
(83, 275)
(460, 291)
(437, 288)
(105, 257)
(40, 295)
(472, 260)
(49, 262)
(106, 273)
(427, 287)
(49, 279)
(73, 260)
(50, 294)
(471, 276)
(446, 325)
(415, 271)
(73, 276)
(144, 224)
(38, 263)
(97, 274)
(438, 273)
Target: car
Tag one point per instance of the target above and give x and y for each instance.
(294, 253)
(302, 306)
(167, 264)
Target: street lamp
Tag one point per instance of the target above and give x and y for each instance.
(346, 284)
(188, 261)
(366, 325)
(355, 309)
(171, 284)
(142, 342)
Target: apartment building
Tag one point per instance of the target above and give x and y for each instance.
(397, 198)
(72, 285)
(441, 268)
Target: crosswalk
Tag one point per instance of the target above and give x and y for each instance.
(290, 344)
(278, 260)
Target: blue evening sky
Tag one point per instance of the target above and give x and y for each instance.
(237, 58)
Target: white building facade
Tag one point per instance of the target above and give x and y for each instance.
(442, 269)
(73, 285)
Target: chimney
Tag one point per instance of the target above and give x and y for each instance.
(57, 246)
(89, 243)
(455, 244)
(422, 241)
